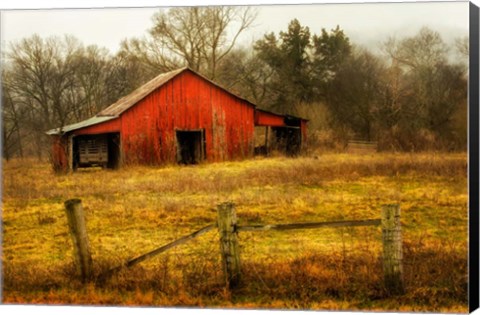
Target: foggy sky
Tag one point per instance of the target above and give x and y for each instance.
(365, 24)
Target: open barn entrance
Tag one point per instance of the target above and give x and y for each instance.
(190, 146)
(287, 140)
(278, 133)
(96, 150)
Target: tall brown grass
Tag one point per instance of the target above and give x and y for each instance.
(435, 280)
(138, 208)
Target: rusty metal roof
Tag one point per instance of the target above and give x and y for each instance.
(131, 99)
(86, 123)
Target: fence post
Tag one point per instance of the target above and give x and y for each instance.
(227, 223)
(392, 249)
(78, 232)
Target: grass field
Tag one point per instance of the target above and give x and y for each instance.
(136, 209)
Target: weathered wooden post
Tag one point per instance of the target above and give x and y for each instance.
(78, 232)
(227, 222)
(392, 249)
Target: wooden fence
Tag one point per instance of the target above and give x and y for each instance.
(228, 229)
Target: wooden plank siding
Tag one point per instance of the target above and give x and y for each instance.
(187, 102)
(106, 127)
(264, 118)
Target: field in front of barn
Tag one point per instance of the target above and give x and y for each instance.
(137, 209)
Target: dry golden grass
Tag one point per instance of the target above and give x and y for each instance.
(138, 208)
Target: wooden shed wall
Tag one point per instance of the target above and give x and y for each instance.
(263, 118)
(187, 102)
(106, 127)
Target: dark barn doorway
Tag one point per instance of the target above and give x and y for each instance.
(288, 140)
(190, 146)
(113, 143)
(96, 150)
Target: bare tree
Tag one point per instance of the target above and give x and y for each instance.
(91, 93)
(124, 74)
(426, 49)
(148, 55)
(246, 75)
(43, 71)
(42, 78)
(425, 91)
(197, 37)
(216, 41)
(13, 117)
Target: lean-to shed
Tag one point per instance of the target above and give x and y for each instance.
(179, 116)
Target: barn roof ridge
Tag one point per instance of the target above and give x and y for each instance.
(129, 100)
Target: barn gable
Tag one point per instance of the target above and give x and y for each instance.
(133, 98)
(189, 103)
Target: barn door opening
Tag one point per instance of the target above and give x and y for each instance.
(288, 140)
(113, 150)
(294, 141)
(190, 146)
(96, 150)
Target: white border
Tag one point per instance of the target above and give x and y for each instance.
(82, 310)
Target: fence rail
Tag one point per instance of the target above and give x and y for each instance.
(308, 225)
(228, 229)
(159, 250)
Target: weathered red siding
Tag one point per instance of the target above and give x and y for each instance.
(263, 118)
(187, 102)
(106, 127)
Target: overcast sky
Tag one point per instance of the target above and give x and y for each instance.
(366, 24)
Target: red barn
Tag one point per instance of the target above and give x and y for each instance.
(179, 116)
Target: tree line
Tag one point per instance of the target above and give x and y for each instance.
(412, 96)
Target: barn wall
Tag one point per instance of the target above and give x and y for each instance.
(268, 119)
(187, 102)
(106, 127)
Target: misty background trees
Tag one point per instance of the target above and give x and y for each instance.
(412, 96)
